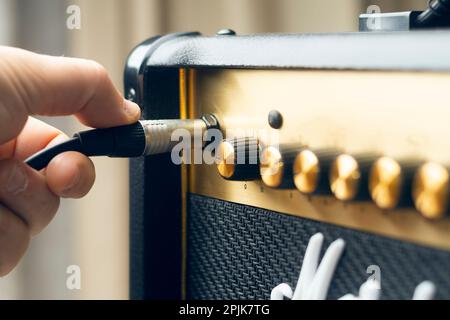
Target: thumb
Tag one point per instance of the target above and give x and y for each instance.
(33, 84)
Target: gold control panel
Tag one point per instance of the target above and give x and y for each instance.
(361, 149)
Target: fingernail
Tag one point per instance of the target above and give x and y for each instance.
(132, 109)
(17, 181)
(75, 180)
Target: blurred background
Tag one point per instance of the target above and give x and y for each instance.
(92, 233)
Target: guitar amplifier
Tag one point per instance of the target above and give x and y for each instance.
(362, 156)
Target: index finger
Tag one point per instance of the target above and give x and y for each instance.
(33, 84)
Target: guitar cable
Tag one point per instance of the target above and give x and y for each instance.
(143, 138)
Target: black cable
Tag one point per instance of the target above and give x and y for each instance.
(437, 15)
(41, 159)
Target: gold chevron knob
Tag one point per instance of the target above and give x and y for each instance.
(345, 177)
(385, 183)
(430, 190)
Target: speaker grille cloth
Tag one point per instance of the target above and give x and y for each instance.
(242, 252)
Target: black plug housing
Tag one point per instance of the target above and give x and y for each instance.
(121, 142)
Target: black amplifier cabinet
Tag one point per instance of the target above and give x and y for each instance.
(195, 235)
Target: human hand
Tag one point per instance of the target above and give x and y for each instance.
(32, 84)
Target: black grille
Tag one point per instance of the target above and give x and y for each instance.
(242, 252)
